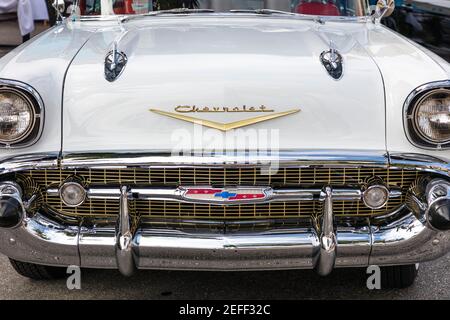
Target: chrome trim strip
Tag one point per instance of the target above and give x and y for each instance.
(395, 193)
(420, 162)
(298, 158)
(112, 18)
(39, 112)
(295, 16)
(303, 159)
(28, 162)
(177, 194)
(348, 158)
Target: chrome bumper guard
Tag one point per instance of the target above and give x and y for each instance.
(323, 245)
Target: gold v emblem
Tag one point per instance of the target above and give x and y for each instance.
(225, 126)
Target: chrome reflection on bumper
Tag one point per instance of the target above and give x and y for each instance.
(42, 241)
(418, 242)
(409, 240)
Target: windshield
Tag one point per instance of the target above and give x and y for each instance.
(350, 8)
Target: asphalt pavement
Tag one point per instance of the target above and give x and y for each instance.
(433, 282)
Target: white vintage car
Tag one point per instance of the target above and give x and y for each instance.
(224, 135)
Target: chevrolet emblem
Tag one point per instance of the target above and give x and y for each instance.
(225, 126)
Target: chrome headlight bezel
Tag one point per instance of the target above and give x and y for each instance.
(412, 103)
(31, 96)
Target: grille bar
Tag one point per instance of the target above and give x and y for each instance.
(178, 194)
(225, 176)
(165, 209)
(171, 177)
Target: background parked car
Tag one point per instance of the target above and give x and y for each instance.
(426, 22)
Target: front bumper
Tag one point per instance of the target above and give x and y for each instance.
(42, 241)
(400, 238)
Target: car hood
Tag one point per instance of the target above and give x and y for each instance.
(223, 65)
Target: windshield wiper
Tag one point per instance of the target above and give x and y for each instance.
(163, 12)
(263, 11)
(316, 18)
(193, 11)
(178, 11)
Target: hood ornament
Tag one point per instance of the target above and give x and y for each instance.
(332, 61)
(115, 62)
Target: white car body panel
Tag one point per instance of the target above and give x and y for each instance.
(232, 63)
(42, 64)
(395, 55)
(275, 74)
(398, 87)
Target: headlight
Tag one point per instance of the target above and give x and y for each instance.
(21, 114)
(16, 117)
(433, 116)
(428, 118)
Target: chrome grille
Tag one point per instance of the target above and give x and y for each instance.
(160, 209)
(178, 210)
(226, 176)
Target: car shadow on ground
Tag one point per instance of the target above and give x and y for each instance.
(302, 284)
(433, 282)
(236, 285)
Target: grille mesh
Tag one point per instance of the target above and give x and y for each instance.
(226, 176)
(223, 176)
